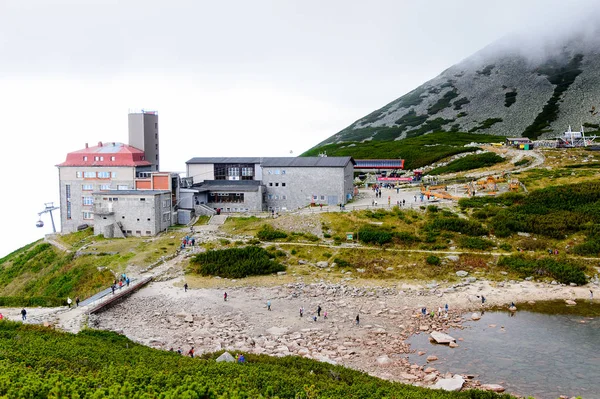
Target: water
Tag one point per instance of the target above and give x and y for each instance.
(538, 354)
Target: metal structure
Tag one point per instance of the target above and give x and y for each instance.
(569, 139)
(49, 208)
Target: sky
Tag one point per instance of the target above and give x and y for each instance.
(229, 78)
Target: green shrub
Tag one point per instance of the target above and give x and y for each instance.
(505, 246)
(590, 247)
(404, 237)
(269, 233)
(469, 162)
(433, 260)
(476, 243)
(342, 262)
(458, 225)
(235, 262)
(560, 270)
(371, 235)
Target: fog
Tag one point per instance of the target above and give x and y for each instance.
(270, 78)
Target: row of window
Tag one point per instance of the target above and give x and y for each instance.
(277, 197)
(90, 187)
(316, 197)
(96, 175)
(276, 172)
(98, 158)
(276, 184)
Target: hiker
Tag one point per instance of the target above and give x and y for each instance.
(185, 286)
(301, 311)
(193, 242)
(240, 358)
(446, 308)
(191, 352)
(319, 310)
(591, 294)
(127, 281)
(120, 284)
(482, 300)
(315, 319)
(403, 202)
(440, 311)
(424, 311)
(357, 319)
(325, 315)
(1, 316)
(113, 289)
(225, 297)
(432, 314)
(69, 302)
(269, 306)
(23, 314)
(77, 301)
(179, 350)
(512, 305)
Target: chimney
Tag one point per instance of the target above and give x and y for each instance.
(86, 145)
(99, 144)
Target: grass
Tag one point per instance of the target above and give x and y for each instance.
(469, 162)
(416, 151)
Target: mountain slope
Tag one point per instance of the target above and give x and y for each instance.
(515, 87)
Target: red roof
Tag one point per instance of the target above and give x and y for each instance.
(106, 154)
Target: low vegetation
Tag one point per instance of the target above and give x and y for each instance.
(486, 124)
(42, 363)
(561, 270)
(469, 162)
(416, 151)
(235, 262)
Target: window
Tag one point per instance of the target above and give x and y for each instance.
(270, 196)
(270, 184)
(283, 172)
(112, 158)
(88, 200)
(103, 175)
(68, 209)
(156, 146)
(113, 175)
(105, 187)
(115, 199)
(277, 197)
(142, 199)
(77, 174)
(269, 172)
(276, 171)
(166, 217)
(148, 219)
(233, 171)
(102, 158)
(322, 198)
(157, 157)
(156, 126)
(247, 171)
(96, 158)
(88, 215)
(282, 184)
(284, 197)
(166, 203)
(138, 219)
(87, 187)
(148, 232)
(89, 175)
(122, 187)
(315, 197)
(84, 158)
(276, 184)
(68, 191)
(155, 135)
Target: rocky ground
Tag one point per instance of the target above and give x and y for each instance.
(164, 316)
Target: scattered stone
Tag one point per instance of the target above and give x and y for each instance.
(462, 273)
(492, 387)
(189, 318)
(423, 328)
(281, 273)
(322, 264)
(421, 353)
(384, 360)
(429, 370)
(453, 258)
(432, 358)
(570, 302)
(453, 345)
(475, 316)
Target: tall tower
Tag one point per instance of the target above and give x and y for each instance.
(143, 134)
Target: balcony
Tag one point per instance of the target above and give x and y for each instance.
(103, 210)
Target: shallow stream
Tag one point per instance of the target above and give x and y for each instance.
(529, 353)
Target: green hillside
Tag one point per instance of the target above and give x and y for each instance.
(416, 151)
(41, 363)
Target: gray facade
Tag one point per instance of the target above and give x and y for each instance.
(143, 134)
(76, 192)
(132, 212)
(231, 196)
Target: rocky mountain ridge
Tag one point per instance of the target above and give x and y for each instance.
(514, 87)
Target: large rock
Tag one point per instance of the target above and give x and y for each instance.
(570, 302)
(492, 387)
(277, 330)
(322, 264)
(384, 360)
(475, 316)
(432, 358)
(441, 338)
(462, 273)
(454, 384)
(226, 357)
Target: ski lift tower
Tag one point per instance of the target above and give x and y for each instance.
(49, 208)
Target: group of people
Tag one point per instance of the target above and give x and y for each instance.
(70, 301)
(314, 317)
(188, 241)
(123, 280)
(441, 311)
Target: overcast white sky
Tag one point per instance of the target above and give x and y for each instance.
(229, 78)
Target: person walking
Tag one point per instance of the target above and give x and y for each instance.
(185, 287)
(269, 306)
(225, 296)
(446, 308)
(77, 301)
(301, 311)
(127, 281)
(113, 289)
(357, 319)
(23, 314)
(69, 302)
(325, 315)
(191, 352)
(319, 310)
(482, 300)
(591, 294)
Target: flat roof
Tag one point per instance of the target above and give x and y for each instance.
(131, 192)
(301, 162)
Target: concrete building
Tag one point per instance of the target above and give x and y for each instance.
(107, 166)
(143, 134)
(123, 213)
(282, 184)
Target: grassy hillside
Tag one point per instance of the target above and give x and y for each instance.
(469, 162)
(416, 151)
(40, 274)
(42, 363)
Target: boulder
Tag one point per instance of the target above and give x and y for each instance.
(226, 357)
(384, 360)
(453, 258)
(475, 316)
(441, 338)
(281, 273)
(322, 264)
(462, 273)
(189, 318)
(454, 384)
(512, 308)
(429, 370)
(432, 358)
(492, 387)
(453, 345)
(430, 377)
(570, 302)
